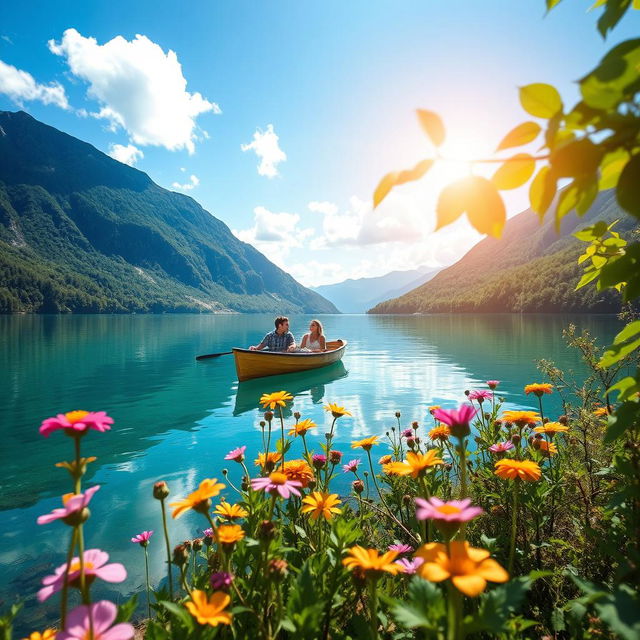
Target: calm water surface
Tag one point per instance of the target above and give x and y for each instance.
(175, 418)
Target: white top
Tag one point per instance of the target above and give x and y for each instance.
(311, 344)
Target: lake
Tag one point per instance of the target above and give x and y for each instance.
(176, 418)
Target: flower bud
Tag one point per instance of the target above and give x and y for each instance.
(296, 415)
(187, 545)
(407, 500)
(266, 530)
(545, 420)
(77, 517)
(564, 420)
(358, 486)
(536, 443)
(497, 510)
(515, 438)
(180, 555)
(225, 472)
(197, 544)
(411, 442)
(328, 436)
(467, 392)
(263, 424)
(487, 416)
(397, 414)
(221, 581)
(278, 568)
(268, 416)
(319, 460)
(208, 539)
(448, 466)
(160, 490)
(312, 485)
(414, 425)
(335, 456)
(244, 485)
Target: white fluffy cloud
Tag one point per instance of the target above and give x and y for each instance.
(128, 154)
(265, 144)
(139, 87)
(21, 86)
(194, 181)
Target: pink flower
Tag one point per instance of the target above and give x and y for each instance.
(277, 483)
(352, 466)
(480, 396)
(319, 460)
(221, 580)
(409, 565)
(501, 447)
(407, 433)
(208, 533)
(456, 419)
(95, 566)
(102, 615)
(237, 455)
(143, 538)
(453, 511)
(77, 422)
(492, 384)
(400, 548)
(73, 503)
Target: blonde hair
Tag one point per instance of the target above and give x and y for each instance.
(319, 325)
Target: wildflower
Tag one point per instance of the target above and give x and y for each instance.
(547, 448)
(237, 454)
(277, 484)
(441, 433)
(400, 548)
(197, 544)
(321, 504)
(352, 466)
(73, 506)
(407, 433)
(448, 516)
(522, 469)
(301, 428)
(413, 441)
(266, 530)
(357, 486)
(76, 422)
(538, 389)
(335, 456)
(319, 460)
(47, 634)
(501, 447)
(365, 443)
(521, 418)
(385, 459)
(416, 464)
(208, 533)
(160, 490)
(469, 568)
(433, 407)
(600, 412)
(209, 610)
(143, 538)
(276, 399)
(492, 384)
(298, 470)
(200, 499)
(229, 534)
(97, 617)
(230, 511)
(480, 396)
(268, 461)
(336, 411)
(95, 566)
(221, 581)
(551, 428)
(456, 419)
(370, 562)
(409, 566)
(278, 568)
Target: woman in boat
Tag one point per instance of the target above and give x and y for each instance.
(314, 340)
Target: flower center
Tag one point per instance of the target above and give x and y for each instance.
(75, 416)
(75, 566)
(278, 478)
(448, 508)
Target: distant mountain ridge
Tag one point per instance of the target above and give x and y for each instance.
(531, 268)
(359, 295)
(82, 232)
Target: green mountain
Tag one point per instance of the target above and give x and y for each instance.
(531, 268)
(81, 232)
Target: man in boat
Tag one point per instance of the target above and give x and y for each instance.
(279, 340)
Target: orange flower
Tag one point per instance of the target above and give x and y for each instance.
(209, 611)
(365, 443)
(521, 418)
(415, 465)
(551, 428)
(518, 469)
(301, 428)
(199, 500)
(278, 398)
(335, 410)
(270, 460)
(469, 568)
(538, 388)
(47, 634)
(441, 433)
(385, 459)
(298, 470)
(370, 563)
(229, 534)
(230, 511)
(600, 412)
(321, 504)
(548, 448)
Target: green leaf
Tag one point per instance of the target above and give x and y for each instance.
(566, 202)
(592, 232)
(611, 167)
(587, 196)
(127, 609)
(626, 388)
(587, 277)
(522, 134)
(432, 126)
(399, 177)
(557, 620)
(180, 613)
(552, 3)
(542, 191)
(625, 417)
(155, 631)
(628, 191)
(425, 605)
(629, 335)
(620, 612)
(625, 269)
(514, 172)
(613, 12)
(540, 100)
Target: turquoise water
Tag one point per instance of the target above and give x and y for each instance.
(175, 418)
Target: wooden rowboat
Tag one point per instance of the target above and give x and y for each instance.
(257, 364)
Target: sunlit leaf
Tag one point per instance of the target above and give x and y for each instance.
(576, 159)
(567, 201)
(628, 189)
(587, 277)
(625, 417)
(596, 230)
(540, 100)
(587, 196)
(626, 388)
(514, 172)
(625, 269)
(399, 177)
(552, 3)
(624, 343)
(611, 168)
(432, 125)
(542, 191)
(613, 12)
(522, 134)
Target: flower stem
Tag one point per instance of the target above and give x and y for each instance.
(282, 431)
(373, 608)
(514, 523)
(454, 611)
(540, 404)
(146, 571)
(168, 545)
(65, 583)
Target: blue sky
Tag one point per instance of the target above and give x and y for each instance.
(325, 91)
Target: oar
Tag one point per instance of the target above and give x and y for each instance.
(213, 355)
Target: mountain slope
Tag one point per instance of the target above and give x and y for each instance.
(82, 232)
(356, 296)
(531, 268)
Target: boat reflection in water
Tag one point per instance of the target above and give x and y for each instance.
(314, 381)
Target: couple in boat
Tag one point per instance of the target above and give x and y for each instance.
(282, 339)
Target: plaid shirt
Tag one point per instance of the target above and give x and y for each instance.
(277, 342)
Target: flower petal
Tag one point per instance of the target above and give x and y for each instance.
(470, 585)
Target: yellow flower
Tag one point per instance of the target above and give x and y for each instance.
(600, 412)
(415, 465)
(230, 511)
(302, 427)
(385, 459)
(365, 443)
(277, 398)
(321, 504)
(47, 634)
(513, 469)
(335, 410)
(440, 433)
(521, 418)
(469, 568)
(269, 461)
(229, 533)
(298, 470)
(539, 389)
(433, 407)
(370, 563)
(547, 448)
(199, 500)
(209, 611)
(551, 428)
(394, 468)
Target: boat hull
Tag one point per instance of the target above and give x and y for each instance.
(259, 364)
